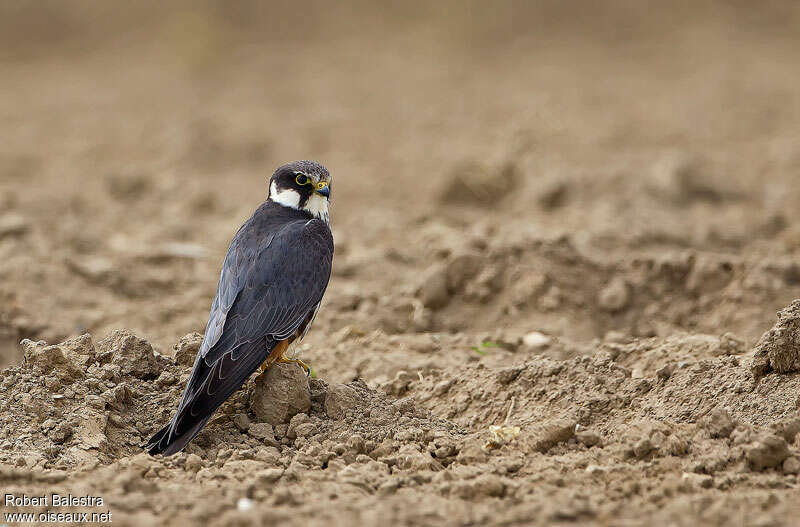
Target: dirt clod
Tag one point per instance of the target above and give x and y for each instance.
(589, 438)
(263, 432)
(134, 356)
(615, 296)
(779, 348)
(718, 423)
(186, 349)
(767, 452)
(339, 400)
(242, 422)
(280, 393)
(432, 291)
(475, 183)
(547, 435)
(46, 359)
(791, 465)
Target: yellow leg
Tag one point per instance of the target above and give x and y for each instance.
(297, 361)
(273, 356)
(277, 355)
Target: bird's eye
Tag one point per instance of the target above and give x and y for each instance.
(302, 179)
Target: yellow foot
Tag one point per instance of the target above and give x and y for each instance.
(300, 363)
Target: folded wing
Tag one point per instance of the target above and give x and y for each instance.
(265, 293)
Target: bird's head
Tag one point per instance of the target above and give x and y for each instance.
(302, 185)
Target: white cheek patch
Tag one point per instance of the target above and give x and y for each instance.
(317, 206)
(286, 197)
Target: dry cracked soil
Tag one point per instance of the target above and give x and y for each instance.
(567, 242)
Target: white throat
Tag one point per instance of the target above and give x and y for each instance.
(316, 205)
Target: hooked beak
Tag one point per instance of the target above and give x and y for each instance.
(323, 189)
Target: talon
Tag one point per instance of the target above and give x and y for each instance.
(299, 362)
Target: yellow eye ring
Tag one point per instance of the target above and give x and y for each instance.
(302, 179)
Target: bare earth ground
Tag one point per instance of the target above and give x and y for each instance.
(560, 233)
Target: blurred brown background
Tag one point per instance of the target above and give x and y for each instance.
(138, 136)
(547, 214)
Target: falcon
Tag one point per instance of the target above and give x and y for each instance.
(272, 282)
